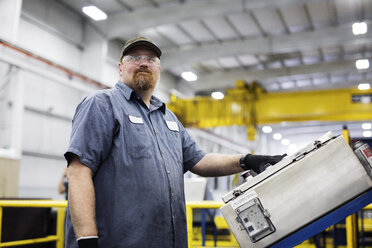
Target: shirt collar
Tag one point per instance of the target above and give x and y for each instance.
(125, 89)
(130, 93)
(157, 103)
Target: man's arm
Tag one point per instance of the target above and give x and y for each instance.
(215, 165)
(61, 186)
(81, 199)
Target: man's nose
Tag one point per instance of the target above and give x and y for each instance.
(143, 64)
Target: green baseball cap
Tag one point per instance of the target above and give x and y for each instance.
(140, 41)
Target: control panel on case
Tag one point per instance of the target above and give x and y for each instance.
(255, 220)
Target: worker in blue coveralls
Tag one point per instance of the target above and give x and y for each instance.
(126, 160)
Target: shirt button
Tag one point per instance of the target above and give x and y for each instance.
(168, 171)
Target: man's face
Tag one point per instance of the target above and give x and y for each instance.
(140, 68)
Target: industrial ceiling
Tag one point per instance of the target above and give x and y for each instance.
(285, 45)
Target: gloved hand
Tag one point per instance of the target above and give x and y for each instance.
(257, 162)
(89, 242)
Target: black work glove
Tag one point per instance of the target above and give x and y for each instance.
(88, 242)
(258, 163)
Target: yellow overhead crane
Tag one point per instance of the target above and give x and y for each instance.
(250, 105)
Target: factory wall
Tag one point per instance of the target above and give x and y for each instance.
(49, 105)
(37, 101)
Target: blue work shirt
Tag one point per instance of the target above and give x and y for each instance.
(138, 156)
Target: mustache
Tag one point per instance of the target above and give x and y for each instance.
(142, 70)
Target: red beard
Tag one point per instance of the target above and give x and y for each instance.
(143, 79)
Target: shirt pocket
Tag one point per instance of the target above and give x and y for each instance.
(136, 136)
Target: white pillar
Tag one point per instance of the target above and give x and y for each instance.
(10, 13)
(16, 96)
(10, 157)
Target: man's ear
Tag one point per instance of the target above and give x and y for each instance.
(120, 68)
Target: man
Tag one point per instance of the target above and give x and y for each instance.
(126, 161)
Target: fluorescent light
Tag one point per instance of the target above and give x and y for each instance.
(367, 134)
(189, 76)
(285, 142)
(360, 28)
(267, 129)
(362, 64)
(236, 108)
(364, 86)
(277, 136)
(94, 13)
(366, 126)
(217, 95)
(365, 99)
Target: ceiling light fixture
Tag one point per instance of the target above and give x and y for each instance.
(365, 99)
(366, 126)
(364, 86)
(267, 129)
(361, 64)
(94, 13)
(277, 136)
(189, 76)
(367, 134)
(285, 142)
(217, 95)
(360, 28)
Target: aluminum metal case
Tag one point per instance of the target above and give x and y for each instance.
(295, 192)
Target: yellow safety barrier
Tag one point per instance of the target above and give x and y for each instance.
(202, 205)
(59, 237)
(61, 205)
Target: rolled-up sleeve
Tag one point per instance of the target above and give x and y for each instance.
(92, 131)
